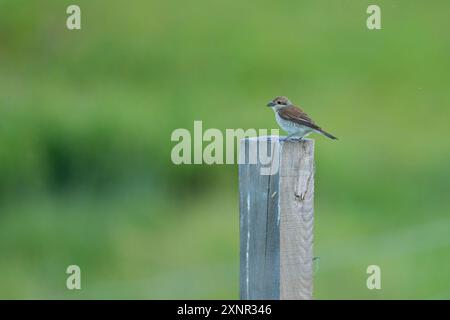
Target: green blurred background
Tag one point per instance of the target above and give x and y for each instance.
(86, 118)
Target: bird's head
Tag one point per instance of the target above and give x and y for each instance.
(279, 102)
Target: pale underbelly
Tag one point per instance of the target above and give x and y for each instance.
(293, 128)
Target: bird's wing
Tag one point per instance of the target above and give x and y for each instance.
(297, 115)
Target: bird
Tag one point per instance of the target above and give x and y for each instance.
(294, 120)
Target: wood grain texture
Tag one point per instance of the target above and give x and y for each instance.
(259, 231)
(297, 219)
(276, 221)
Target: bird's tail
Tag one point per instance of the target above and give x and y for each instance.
(327, 134)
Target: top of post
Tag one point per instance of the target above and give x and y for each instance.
(279, 139)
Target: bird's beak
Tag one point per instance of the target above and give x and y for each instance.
(271, 104)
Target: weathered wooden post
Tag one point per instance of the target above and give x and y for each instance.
(276, 219)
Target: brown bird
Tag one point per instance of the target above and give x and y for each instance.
(293, 120)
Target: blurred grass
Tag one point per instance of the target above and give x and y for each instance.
(86, 118)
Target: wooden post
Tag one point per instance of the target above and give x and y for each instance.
(276, 219)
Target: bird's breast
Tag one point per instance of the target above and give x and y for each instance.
(292, 127)
(285, 124)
